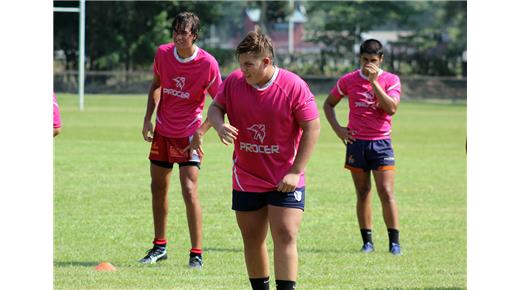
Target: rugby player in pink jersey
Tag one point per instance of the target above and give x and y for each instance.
(56, 117)
(373, 96)
(274, 124)
(183, 74)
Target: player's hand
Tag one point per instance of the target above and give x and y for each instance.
(195, 144)
(373, 71)
(346, 135)
(147, 131)
(289, 182)
(227, 133)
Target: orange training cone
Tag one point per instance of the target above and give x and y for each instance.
(105, 266)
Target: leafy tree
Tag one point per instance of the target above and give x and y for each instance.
(434, 47)
(270, 12)
(66, 33)
(339, 25)
(437, 45)
(124, 35)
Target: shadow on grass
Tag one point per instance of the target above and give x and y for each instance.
(222, 250)
(424, 288)
(75, 264)
(304, 250)
(318, 251)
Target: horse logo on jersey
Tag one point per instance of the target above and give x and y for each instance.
(258, 132)
(179, 82)
(369, 96)
(370, 100)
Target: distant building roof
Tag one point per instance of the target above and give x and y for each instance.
(385, 36)
(253, 14)
(298, 16)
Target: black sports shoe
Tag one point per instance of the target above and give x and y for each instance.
(195, 262)
(154, 255)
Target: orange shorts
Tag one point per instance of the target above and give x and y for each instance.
(165, 149)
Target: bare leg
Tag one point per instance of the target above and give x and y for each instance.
(188, 176)
(285, 225)
(385, 189)
(159, 186)
(253, 227)
(363, 204)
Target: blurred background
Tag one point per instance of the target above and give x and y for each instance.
(424, 41)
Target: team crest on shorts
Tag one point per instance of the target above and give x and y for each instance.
(351, 159)
(298, 195)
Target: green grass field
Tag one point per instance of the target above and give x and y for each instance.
(102, 206)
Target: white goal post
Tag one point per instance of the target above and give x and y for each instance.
(81, 61)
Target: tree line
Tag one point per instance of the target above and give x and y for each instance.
(125, 35)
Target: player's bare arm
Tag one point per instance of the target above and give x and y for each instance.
(226, 132)
(343, 133)
(154, 95)
(385, 102)
(196, 141)
(310, 134)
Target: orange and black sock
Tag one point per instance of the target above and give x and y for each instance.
(160, 242)
(195, 252)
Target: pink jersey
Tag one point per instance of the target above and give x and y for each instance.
(267, 119)
(184, 83)
(56, 113)
(369, 122)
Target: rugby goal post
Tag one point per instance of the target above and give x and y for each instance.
(81, 61)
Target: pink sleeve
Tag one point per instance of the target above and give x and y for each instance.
(305, 108)
(56, 113)
(393, 88)
(221, 95)
(216, 79)
(156, 64)
(339, 90)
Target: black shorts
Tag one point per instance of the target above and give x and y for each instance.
(366, 155)
(169, 165)
(250, 201)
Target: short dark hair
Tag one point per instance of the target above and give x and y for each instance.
(371, 46)
(257, 43)
(187, 19)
